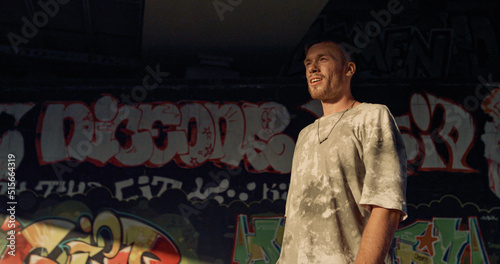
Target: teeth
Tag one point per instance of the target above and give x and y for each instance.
(315, 80)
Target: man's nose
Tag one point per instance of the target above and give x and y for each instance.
(312, 68)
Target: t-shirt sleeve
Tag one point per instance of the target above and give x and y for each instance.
(384, 157)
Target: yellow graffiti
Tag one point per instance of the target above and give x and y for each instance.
(407, 255)
(80, 246)
(109, 239)
(47, 234)
(107, 220)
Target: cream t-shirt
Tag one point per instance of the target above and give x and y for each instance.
(334, 184)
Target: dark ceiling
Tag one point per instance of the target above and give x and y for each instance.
(52, 39)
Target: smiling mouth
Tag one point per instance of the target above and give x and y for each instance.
(315, 81)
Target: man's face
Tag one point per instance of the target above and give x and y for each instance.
(326, 69)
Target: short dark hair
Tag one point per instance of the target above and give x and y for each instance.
(336, 38)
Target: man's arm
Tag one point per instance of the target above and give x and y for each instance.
(378, 235)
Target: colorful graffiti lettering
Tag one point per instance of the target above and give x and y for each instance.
(259, 245)
(192, 133)
(189, 133)
(442, 240)
(109, 238)
(456, 132)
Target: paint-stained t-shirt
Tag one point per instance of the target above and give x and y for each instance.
(334, 184)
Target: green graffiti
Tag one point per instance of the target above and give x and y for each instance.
(442, 240)
(451, 240)
(261, 246)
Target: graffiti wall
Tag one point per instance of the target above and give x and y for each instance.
(198, 172)
(204, 180)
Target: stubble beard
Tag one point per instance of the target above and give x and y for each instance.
(316, 93)
(323, 93)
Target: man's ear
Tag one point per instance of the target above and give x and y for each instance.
(350, 69)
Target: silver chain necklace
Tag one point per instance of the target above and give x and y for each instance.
(323, 140)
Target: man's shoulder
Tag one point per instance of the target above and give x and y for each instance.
(372, 111)
(374, 107)
(307, 128)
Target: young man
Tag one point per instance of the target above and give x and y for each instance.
(347, 191)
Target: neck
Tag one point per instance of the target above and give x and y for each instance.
(337, 106)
